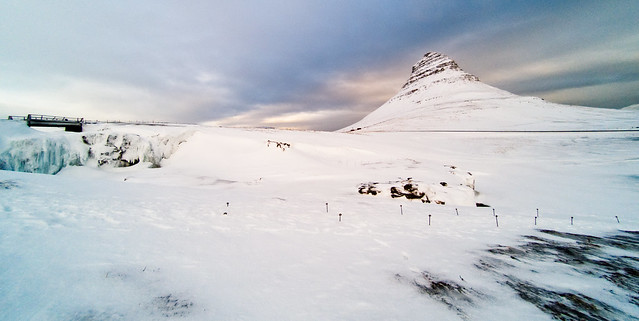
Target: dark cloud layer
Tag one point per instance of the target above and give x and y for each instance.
(311, 64)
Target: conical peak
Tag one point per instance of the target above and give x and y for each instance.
(436, 60)
(434, 63)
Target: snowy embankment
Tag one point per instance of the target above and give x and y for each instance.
(244, 225)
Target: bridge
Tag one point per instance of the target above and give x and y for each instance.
(69, 124)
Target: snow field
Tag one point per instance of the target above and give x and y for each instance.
(265, 261)
(154, 243)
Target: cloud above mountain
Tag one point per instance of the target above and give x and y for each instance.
(312, 64)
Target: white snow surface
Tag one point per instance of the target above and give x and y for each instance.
(141, 243)
(216, 223)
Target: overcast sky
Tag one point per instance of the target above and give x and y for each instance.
(318, 64)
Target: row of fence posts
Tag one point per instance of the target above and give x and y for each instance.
(401, 211)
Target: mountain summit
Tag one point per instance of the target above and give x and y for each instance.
(439, 95)
(434, 63)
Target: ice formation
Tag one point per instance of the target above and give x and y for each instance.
(26, 150)
(126, 149)
(46, 155)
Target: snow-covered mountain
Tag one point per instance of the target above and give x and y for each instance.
(439, 95)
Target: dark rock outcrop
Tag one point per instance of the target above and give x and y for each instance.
(409, 190)
(369, 188)
(434, 63)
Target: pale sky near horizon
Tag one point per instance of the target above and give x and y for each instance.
(317, 64)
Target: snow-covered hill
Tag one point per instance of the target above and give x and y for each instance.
(439, 95)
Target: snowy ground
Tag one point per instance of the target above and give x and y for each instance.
(140, 243)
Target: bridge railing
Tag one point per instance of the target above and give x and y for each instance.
(47, 118)
(69, 124)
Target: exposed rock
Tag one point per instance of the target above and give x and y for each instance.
(409, 190)
(395, 193)
(281, 145)
(434, 63)
(458, 191)
(369, 188)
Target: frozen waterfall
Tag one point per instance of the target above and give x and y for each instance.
(24, 149)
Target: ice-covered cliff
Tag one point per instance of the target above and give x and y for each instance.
(118, 149)
(27, 150)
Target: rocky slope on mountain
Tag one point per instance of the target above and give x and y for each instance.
(439, 95)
